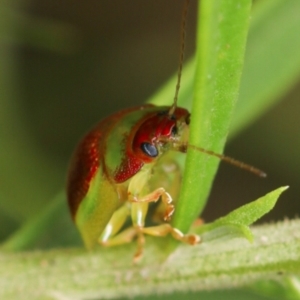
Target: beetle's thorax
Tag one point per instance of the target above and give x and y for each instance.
(155, 134)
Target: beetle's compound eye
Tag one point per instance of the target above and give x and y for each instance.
(149, 149)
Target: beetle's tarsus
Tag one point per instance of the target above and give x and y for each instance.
(191, 239)
(140, 246)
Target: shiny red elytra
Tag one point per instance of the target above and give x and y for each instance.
(122, 166)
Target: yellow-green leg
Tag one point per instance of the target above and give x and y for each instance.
(154, 197)
(110, 235)
(139, 210)
(164, 229)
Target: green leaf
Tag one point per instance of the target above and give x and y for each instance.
(235, 224)
(272, 64)
(224, 232)
(221, 39)
(251, 212)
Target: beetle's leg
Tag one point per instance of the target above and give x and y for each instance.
(124, 237)
(109, 237)
(167, 200)
(139, 209)
(167, 175)
(154, 197)
(138, 214)
(164, 229)
(140, 245)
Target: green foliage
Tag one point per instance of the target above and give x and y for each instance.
(235, 224)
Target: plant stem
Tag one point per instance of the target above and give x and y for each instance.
(109, 273)
(221, 39)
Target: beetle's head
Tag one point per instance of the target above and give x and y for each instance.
(161, 132)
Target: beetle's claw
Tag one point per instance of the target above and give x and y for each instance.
(193, 239)
(169, 212)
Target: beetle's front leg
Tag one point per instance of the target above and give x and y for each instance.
(139, 210)
(111, 235)
(154, 197)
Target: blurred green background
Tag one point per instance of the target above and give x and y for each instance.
(66, 64)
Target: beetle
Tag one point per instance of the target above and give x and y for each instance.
(122, 166)
(111, 172)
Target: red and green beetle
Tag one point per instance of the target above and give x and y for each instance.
(122, 166)
(112, 171)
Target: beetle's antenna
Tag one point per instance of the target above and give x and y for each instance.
(181, 58)
(183, 148)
